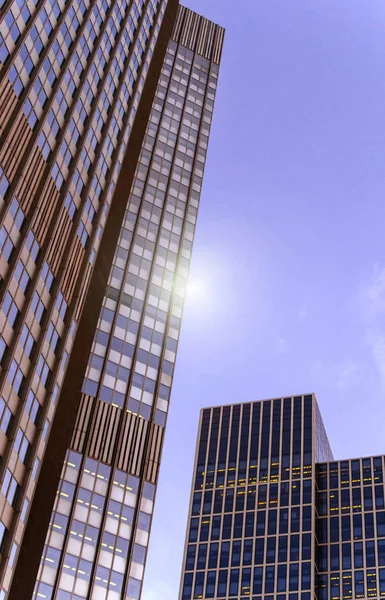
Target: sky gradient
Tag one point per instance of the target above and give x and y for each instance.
(290, 245)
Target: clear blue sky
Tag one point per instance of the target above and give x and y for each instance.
(290, 242)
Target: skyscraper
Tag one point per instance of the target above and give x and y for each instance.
(273, 516)
(105, 116)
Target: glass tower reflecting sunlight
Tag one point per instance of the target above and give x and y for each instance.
(99, 531)
(105, 114)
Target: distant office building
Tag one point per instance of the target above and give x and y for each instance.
(105, 113)
(351, 529)
(272, 516)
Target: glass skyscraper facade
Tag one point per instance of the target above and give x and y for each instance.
(97, 542)
(351, 529)
(105, 114)
(273, 517)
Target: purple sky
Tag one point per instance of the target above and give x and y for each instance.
(290, 242)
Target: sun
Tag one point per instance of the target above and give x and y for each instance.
(196, 290)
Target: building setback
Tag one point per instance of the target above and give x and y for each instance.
(272, 516)
(88, 180)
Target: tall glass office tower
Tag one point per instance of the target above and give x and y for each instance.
(272, 516)
(105, 113)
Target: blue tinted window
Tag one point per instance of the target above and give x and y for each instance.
(222, 584)
(259, 551)
(210, 585)
(199, 585)
(381, 552)
(202, 555)
(193, 530)
(225, 554)
(213, 555)
(247, 552)
(293, 577)
(269, 580)
(257, 580)
(234, 582)
(236, 554)
(190, 557)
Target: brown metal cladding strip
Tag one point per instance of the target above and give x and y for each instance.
(112, 433)
(72, 269)
(134, 440)
(43, 213)
(76, 436)
(201, 38)
(198, 34)
(188, 30)
(106, 433)
(18, 138)
(218, 44)
(126, 429)
(195, 29)
(140, 440)
(132, 422)
(158, 453)
(86, 419)
(83, 291)
(210, 39)
(8, 101)
(142, 447)
(81, 424)
(132, 466)
(4, 152)
(58, 241)
(148, 461)
(186, 39)
(128, 432)
(132, 444)
(178, 23)
(154, 452)
(30, 179)
(99, 432)
(149, 472)
(95, 428)
(103, 432)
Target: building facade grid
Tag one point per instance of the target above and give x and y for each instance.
(61, 110)
(351, 529)
(273, 516)
(99, 531)
(252, 520)
(72, 79)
